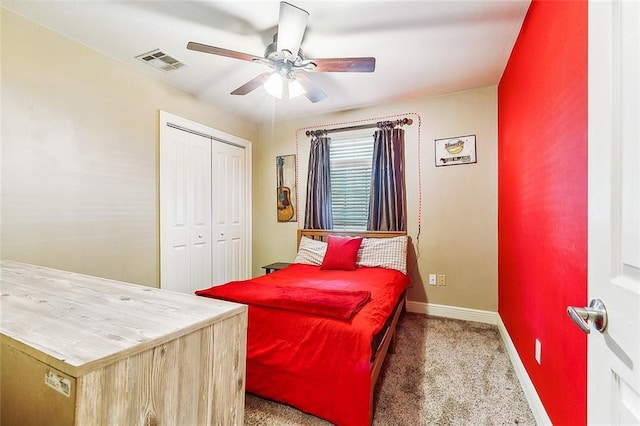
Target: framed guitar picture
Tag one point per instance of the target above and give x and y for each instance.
(286, 188)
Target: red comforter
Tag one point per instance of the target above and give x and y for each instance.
(318, 364)
(324, 302)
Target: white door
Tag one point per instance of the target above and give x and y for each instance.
(229, 188)
(185, 210)
(614, 210)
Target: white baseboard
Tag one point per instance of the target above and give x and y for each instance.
(539, 412)
(454, 312)
(488, 317)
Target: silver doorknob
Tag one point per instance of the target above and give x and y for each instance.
(596, 313)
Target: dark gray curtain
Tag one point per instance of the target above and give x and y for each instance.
(387, 200)
(318, 208)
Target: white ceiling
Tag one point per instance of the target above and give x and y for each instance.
(422, 47)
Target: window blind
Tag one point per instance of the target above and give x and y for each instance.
(351, 159)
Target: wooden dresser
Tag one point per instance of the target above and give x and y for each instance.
(81, 350)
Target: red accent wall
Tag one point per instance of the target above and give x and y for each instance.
(542, 202)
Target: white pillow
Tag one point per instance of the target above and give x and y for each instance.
(311, 252)
(390, 253)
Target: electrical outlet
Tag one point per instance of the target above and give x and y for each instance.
(442, 280)
(538, 350)
(432, 279)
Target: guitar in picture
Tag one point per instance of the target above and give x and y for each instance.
(285, 208)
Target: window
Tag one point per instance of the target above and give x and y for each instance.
(351, 158)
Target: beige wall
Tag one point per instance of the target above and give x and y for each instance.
(459, 203)
(79, 155)
(79, 165)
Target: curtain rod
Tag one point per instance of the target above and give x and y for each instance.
(391, 124)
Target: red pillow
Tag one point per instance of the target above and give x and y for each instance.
(342, 253)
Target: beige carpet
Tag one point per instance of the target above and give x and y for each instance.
(444, 372)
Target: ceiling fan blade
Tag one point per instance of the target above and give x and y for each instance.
(291, 26)
(222, 52)
(252, 85)
(311, 91)
(344, 64)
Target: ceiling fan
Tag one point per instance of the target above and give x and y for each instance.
(288, 63)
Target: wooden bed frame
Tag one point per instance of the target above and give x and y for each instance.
(388, 342)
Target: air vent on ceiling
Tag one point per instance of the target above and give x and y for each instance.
(160, 60)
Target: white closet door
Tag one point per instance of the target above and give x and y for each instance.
(185, 212)
(229, 213)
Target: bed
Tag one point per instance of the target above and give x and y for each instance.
(317, 335)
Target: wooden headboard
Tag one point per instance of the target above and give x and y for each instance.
(322, 234)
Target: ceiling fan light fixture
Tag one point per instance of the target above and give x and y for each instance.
(273, 85)
(295, 89)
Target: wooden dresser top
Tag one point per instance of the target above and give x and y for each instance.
(80, 322)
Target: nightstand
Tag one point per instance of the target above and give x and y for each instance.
(275, 266)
